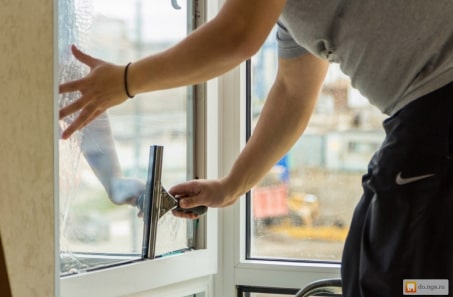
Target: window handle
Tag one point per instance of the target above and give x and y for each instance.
(175, 5)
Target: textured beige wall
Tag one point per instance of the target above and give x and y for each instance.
(26, 145)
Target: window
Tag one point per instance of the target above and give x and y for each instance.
(267, 243)
(181, 125)
(95, 231)
(301, 210)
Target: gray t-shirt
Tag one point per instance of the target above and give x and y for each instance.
(394, 51)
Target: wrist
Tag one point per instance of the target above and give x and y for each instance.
(126, 81)
(233, 189)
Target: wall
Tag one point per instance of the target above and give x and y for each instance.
(27, 146)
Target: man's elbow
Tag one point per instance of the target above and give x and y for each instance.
(241, 42)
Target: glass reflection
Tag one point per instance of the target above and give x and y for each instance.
(103, 167)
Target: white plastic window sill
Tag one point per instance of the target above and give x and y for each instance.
(138, 277)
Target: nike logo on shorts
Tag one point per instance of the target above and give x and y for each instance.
(407, 180)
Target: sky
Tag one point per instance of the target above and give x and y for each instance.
(160, 20)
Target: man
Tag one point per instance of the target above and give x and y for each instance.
(399, 54)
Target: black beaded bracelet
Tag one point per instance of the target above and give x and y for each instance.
(125, 81)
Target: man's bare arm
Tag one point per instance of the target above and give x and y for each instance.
(235, 34)
(285, 115)
(283, 119)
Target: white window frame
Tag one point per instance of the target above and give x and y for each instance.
(222, 266)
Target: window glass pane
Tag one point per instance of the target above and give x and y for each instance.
(94, 230)
(303, 207)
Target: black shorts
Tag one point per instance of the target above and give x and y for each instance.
(402, 227)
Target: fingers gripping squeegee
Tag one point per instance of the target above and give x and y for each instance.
(156, 201)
